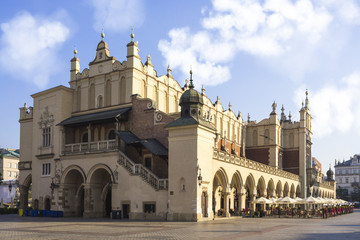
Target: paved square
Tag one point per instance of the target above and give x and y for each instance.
(341, 227)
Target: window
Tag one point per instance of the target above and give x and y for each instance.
(15, 165)
(15, 174)
(111, 134)
(148, 162)
(9, 174)
(346, 180)
(85, 137)
(9, 165)
(46, 169)
(46, 137)
(149, 207)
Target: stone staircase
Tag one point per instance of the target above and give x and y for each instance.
(140, 170)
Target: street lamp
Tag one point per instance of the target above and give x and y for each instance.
(10, 187)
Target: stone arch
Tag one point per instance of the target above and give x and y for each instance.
(25, 188)
(261, 187)
(47, 202)
(220, 185)
(250, 191)
(100, 166)
(286, 190)
(292, 191)
(279, 190)
(98, 191)
(298, 191)
(236, 186)
(72, 167)
(72, 185)
(271, 188)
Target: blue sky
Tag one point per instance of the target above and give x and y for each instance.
(245, 51)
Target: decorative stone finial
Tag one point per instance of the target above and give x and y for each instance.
(148, 60)
(75, 51)
(132, 35)
(289, 116)
(230, 106)
(25, 105)
(102, 34)
(307, 105)
(169, 70)
(274, 108)
(202, 90)
(282, 108)
(217, 99)
(186, 83)
(191, 80)
(248, 117)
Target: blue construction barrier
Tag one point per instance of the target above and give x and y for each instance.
(26, 212)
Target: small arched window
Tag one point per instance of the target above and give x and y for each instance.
(100, 101)
(85, 137)
(111, 134)
(182, 184)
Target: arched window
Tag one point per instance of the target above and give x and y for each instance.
(182, 184)
(267, 136)
(92, 96)
(122, 90)
(78, 99)
(111, 134)
(100, 101)
(255, 138)
(85, 137)
(108, 93)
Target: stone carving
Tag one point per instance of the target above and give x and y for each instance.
(58, 171)
(46, 119)
(101, 68)
(118, 66)
(151, 105)
(158, 117)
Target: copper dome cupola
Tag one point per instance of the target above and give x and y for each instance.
(191, 102)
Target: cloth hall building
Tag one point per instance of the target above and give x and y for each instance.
(122, 139)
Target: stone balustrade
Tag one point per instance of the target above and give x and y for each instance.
(247, 163)
(106, 145)
(143, 172)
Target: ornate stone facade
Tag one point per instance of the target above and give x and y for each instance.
(118, 140)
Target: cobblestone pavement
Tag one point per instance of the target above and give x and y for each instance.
(24, 228)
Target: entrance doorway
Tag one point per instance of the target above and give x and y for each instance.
(108, 203)
(126, 210)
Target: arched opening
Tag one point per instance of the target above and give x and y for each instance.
(100, 101)
(292, 191)
(47, 204)
(111, 134)
(73, 191)
(100, 195)
(279, 191)
(25, 192)
(236, 183)
(286, 190)
(219, 193)
(85, 138)
(271, 189)
(249, 187)
(298, 192)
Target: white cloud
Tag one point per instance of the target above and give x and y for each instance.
(335, 107)
(118, 15)
(29, 45)
(278, 30)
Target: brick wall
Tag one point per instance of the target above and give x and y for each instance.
(291, 161)
(260, 155)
